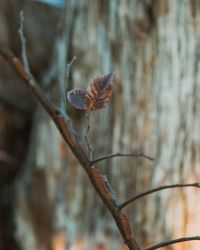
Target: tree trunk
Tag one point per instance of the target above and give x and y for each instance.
(153, 48)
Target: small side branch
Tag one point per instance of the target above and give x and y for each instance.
(64, 83)
(69, 66)
(170, 242)
(90, 150)
(23, 42)
(110, 189)
(150, 191)
(107, 157)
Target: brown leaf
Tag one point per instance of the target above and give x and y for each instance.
(99, 92)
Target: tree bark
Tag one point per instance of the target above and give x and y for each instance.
(153, 46)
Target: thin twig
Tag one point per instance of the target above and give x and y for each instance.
(23, 42)
(110, 189)
(68, 68)
(170, 242)
(90, 149)
(63, 84)
(150, 191)
(107, 157)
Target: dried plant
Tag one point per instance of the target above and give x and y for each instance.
(96, 96)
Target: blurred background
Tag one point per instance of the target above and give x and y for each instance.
(46, 199)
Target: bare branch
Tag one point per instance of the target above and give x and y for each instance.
(107, 157)
(57, 115)
(23, 42)
(150, 191)
(63, 124)
(170, 242)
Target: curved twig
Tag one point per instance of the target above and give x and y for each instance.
(135, 154)
(170, 242)
(150, 191)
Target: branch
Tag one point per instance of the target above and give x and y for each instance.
(107, 157)
(170, 242)
(23, 42)
(150, 191)
(64, 126)
(57, 115)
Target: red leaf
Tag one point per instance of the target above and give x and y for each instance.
(99, 92)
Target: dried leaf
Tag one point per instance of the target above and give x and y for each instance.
(99, 92)
(76, 98)
(97, 95)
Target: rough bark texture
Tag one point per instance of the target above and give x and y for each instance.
(153, 46)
